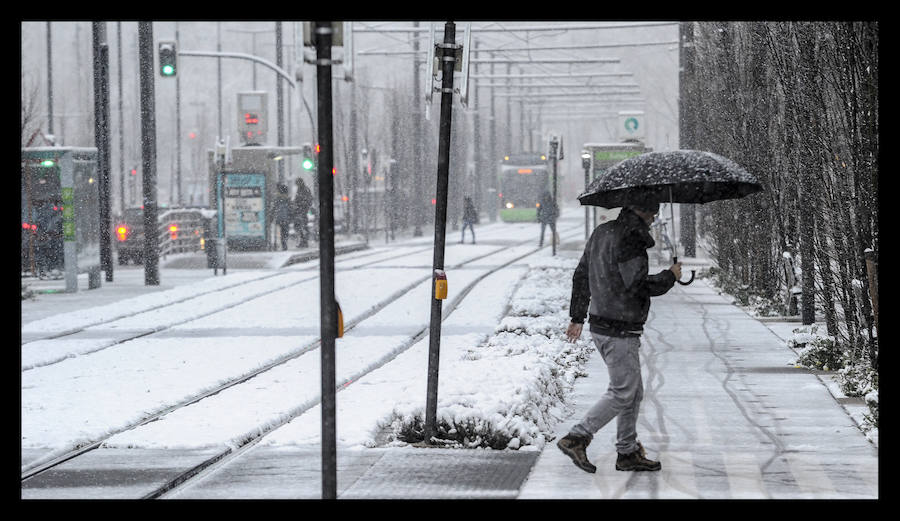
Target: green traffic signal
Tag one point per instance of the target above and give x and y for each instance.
(307, 163)
(167, 58)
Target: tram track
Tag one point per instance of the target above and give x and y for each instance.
(43, 465)
(196, 298)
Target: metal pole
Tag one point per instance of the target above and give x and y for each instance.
(478, 196)
(353, 167)
(101, 138)
(49, 81)
(448, 57)
(219, 75)
(121, 123)
(279, 95)
(586, 163)
(492, 156)
(509, 144)
(148, 154)
(327, 303)
(105, 177)
(554, 147)
(180, 199)
(418, 205)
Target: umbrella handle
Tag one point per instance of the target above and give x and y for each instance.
(693, 272)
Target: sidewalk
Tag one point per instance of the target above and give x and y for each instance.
(725, 412)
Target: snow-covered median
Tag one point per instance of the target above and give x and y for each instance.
(510, 390)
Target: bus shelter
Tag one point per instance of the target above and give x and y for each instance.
(60, 209)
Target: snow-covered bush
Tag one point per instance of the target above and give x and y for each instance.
(872, 402)
(816, 351)
(759, 305)
(858, 378)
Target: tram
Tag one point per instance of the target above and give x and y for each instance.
(522, 179)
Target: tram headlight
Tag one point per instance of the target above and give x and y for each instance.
(510, 205)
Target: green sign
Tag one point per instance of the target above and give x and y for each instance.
(614, 155)
(68, 201)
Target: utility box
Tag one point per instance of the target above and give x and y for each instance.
(61, 213)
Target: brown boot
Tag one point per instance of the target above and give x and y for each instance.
(636, 461)
(573, 447)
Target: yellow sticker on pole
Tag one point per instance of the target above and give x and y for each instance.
(440, 285)
(340, 320)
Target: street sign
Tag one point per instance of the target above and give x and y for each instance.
(631, 125)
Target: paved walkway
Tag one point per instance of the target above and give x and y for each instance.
(724, 411)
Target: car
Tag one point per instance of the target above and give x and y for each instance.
(129, 236)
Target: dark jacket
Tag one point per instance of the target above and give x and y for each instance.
(613, 276)
(470, 215)
(547, 212)
(303, 199)
(282, 206)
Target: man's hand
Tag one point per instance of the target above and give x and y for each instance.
(676, 269)
(573, 332)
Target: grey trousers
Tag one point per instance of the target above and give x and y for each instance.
(622, 399)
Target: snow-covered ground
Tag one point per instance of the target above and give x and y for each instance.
(504, 363)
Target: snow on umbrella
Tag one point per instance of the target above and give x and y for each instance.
(678, 176)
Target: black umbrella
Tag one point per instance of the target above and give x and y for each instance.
(678, 176)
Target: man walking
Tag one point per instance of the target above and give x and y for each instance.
(470, 218)
(302, 201)
(613, 277)
(547, 213)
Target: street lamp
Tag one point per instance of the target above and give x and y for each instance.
(586, 164)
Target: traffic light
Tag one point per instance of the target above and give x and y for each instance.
(308, 161)
(167, 59)
(253, 117)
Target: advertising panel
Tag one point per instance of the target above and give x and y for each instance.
(244, 205)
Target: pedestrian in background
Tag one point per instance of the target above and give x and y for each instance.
(470, 219)
(613, 277)
(283, 213)
(302, 202)
(547, 213)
